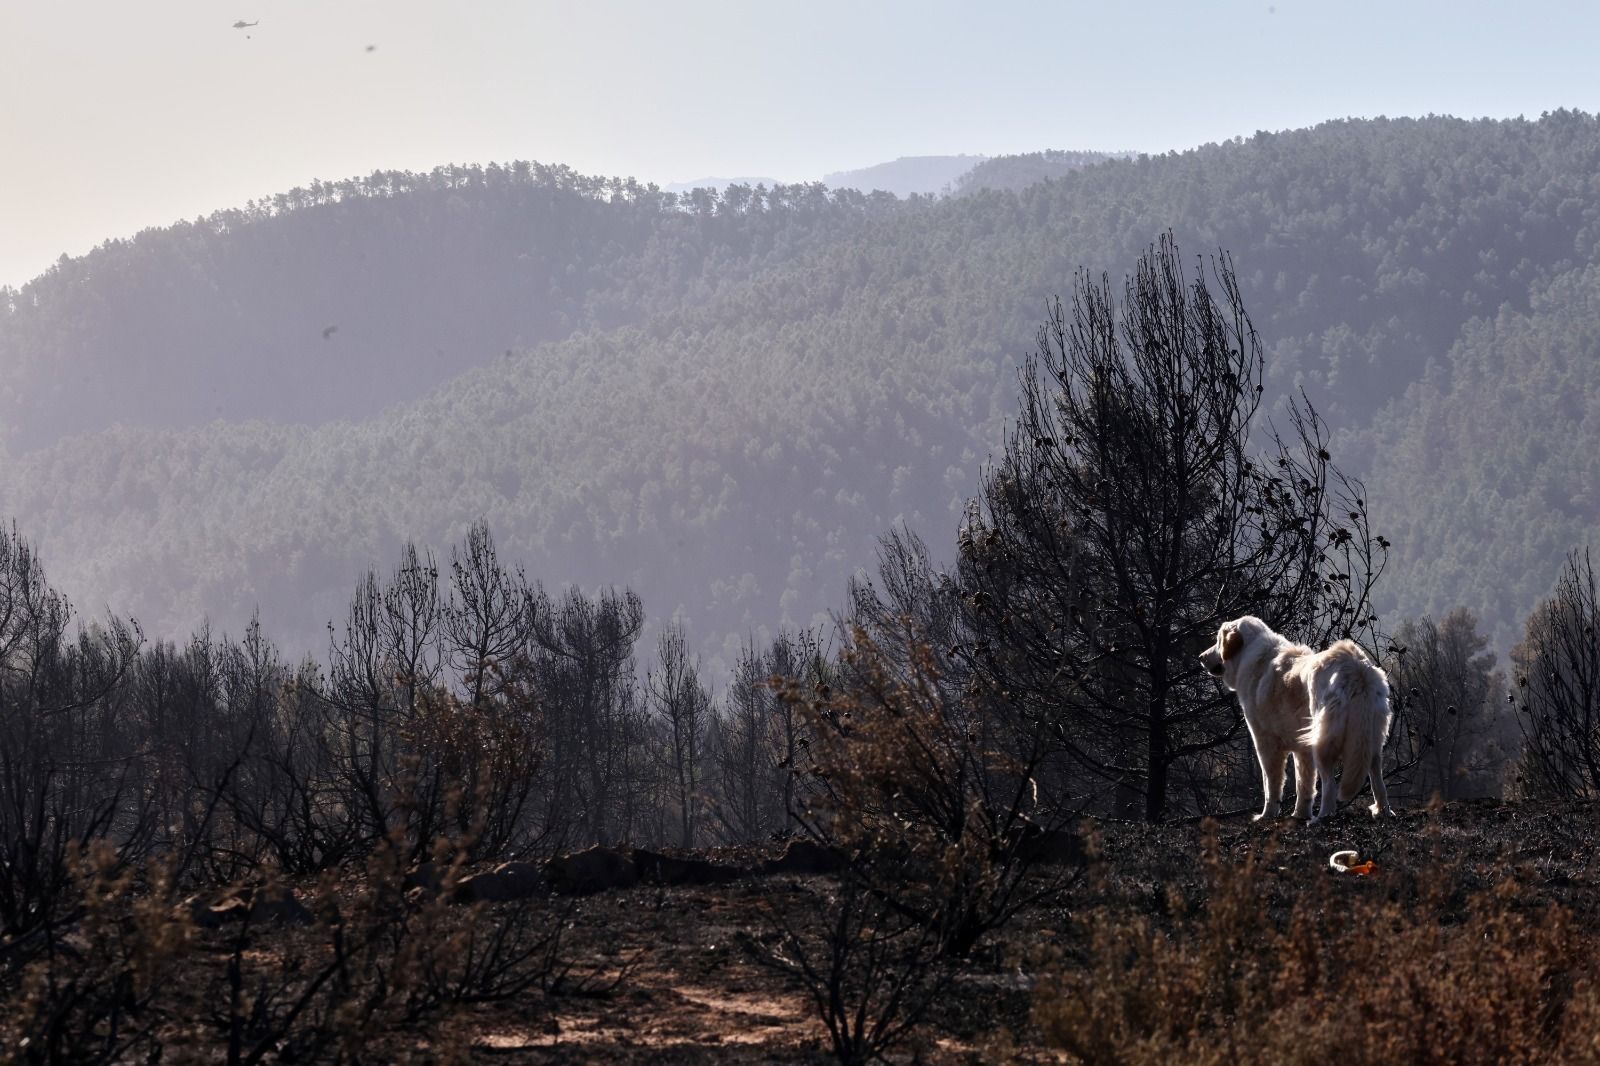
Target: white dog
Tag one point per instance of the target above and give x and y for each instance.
(1325, 708)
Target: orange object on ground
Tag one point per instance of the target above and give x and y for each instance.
(1345, 862)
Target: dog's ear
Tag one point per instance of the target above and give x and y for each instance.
(1232, 643)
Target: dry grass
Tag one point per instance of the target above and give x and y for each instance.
(1461, 958)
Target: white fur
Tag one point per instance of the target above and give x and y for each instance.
(1324, 708)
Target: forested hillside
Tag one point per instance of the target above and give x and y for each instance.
(1487, 468)
(337, 300)
(722, 401)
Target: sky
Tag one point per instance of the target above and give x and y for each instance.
(122, 115)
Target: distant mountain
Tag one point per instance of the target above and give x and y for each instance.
(928, 175)
(722, 401)
(1016, 172)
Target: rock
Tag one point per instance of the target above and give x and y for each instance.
(278, 905)
(425, 880)
(199, 913)
(1051, 847)
(655, 868)
(594, 870)
(275, 905)
(804, 857)
(506, 882)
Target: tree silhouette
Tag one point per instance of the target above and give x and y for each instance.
(1127, 519)
(682, 705)
(1558, 689)
(1449, 736)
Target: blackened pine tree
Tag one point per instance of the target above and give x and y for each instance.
(583, 667)
(1128, 517)
(758, 748)
(1449, 736)
(683, 709)
(1557, 692)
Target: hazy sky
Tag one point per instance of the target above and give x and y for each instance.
(120, 115)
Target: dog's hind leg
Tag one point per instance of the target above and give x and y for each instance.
(1273, 762)
(1305, 783)
(1380, 794)
(1328, 806)
(1354, 779)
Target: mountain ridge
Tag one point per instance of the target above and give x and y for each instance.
(779, 385)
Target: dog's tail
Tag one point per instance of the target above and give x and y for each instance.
(1350, 708)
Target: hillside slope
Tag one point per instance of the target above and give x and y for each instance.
(748, 392)
(1487, 465)
(336, 301)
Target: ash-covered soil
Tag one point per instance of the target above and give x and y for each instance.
(656, 973)
(698, 990)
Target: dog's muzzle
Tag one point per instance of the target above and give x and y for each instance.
(1212, 662)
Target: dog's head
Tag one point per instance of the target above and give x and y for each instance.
(1232, 639)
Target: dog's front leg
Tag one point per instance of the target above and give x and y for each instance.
(1273, 762)
(1305, 783)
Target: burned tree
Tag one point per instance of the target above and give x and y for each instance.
(67, 769)
(1557, 690)
(759, 746)
(1449, 737)
(380, 678)
(582, 663)
(1129, 516)
(682, 706)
